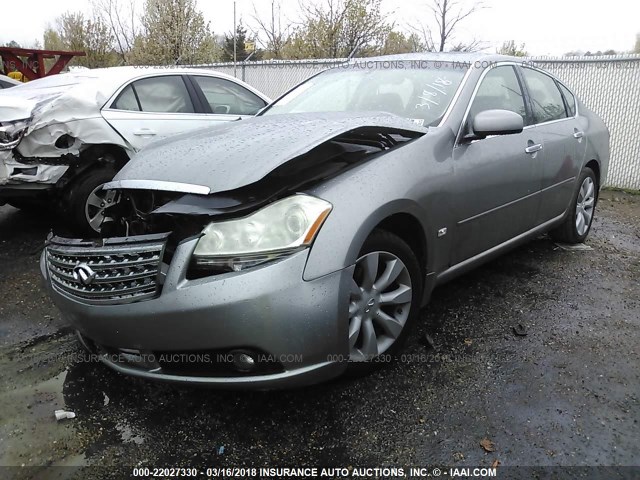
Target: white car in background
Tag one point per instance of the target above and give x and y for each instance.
(7, 82)
(63, 137)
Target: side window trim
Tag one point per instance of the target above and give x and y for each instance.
(199, 105)
(564, 100)
(202, 100)
(528, 105)
(135, 94)
(562, 87)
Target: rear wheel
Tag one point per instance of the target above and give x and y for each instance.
(385, 297)
(577, 225)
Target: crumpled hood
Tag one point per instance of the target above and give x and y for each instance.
(51, 104)
(236, 154)
(15, 108)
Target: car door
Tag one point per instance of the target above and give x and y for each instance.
(564, 145)
(155, 107)
(224, 99)
(496, 178)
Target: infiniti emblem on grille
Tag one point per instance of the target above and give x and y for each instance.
(83, 274)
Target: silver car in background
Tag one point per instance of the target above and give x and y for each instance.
(288, 248)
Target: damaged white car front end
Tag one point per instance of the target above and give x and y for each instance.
(43, 131)
(63, 137)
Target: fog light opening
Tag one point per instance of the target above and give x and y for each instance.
(244, 361)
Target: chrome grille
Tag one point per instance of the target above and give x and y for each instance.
(116, 271)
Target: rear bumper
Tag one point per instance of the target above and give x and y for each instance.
(301, 325)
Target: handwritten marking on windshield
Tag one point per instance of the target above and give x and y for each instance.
(432, 91)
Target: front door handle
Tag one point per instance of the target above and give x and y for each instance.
(578, 134)
(533, 148)
(144, 131)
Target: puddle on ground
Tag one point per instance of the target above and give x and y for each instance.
(29, 433)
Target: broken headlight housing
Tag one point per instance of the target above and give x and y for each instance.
(11, 133)
(277, 230)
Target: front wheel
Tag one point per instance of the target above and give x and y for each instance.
(577, 225)
(385, 299)
(87, 201)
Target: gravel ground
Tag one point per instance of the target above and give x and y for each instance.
(566, 394)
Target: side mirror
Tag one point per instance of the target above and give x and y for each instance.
(496, 122)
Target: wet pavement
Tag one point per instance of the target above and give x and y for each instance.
(565, 394)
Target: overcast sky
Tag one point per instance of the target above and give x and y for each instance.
(547, 27)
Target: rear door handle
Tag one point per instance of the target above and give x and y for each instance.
(533, 148)
(144, 131)
(577, 134)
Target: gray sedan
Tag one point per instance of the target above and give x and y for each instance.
(291, 247)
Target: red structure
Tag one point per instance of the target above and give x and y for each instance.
(30, 62)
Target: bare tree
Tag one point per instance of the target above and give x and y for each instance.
(122, 19)
(447, 15)
(272, 30)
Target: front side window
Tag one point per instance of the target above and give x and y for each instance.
(127, 100)
(226, 97)
(499, 90)
(420, 92)
(156, 94)
(546, 99)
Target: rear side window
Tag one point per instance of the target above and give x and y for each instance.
(500, 90)
(156, 94)
(570, 99)
(226, 97)
(546, 99)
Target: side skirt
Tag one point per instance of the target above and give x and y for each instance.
(496, 251)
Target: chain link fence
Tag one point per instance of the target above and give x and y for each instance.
(609, 85)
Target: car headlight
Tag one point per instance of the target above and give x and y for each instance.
(274, 231)
(11, 133)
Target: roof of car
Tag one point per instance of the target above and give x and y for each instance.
(130, 72)
(100, 83)
(443, 57)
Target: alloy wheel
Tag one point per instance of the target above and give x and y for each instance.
(380, 303)
(97, 202)
(584, 206)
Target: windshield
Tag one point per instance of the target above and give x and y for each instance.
(420, 91)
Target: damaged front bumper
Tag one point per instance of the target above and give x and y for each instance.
(192, 330)
(14, 172)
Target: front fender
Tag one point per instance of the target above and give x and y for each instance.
(340, 240)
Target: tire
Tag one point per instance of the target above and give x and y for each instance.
(577, 224)
(367, 304)
(83, 207)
